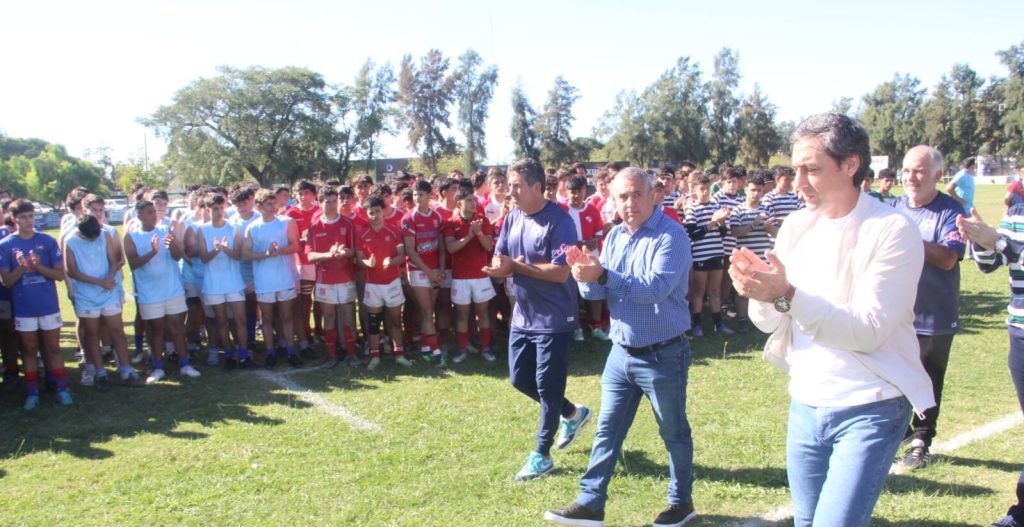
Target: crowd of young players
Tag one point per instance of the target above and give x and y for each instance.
(403, 257)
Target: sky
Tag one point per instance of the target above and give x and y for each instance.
(83, 73)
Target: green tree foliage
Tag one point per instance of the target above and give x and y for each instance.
(966, 85)
(991, 109)
(445, 164)
(554, 124)
(523, 134)
(44, 171)
(363, 113)
(257, 122)
(724, 106)
(136, 171)
(938, 116)
(630, 131)
(474, 90)
(425, 93)
(1013, 100)
(893, 116)
(759, 138)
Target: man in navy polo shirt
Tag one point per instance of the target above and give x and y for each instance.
(936, 312)
(531, 248)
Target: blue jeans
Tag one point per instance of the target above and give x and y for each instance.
(1016, 364)
(661, 375)
(838, 458)
(538, 366)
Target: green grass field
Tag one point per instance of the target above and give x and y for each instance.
(236, 449)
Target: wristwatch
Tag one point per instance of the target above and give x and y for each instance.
(603, 279)
(782, 304)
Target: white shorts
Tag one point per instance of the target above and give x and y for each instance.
(213, 300)
(45, 323)
(420, 279)
(467, 291)
(384, 295)
(344, 293)
(5, 310)
(108, 311)
(174, 306)
(276, 296)
(307, 272)
(193, 290)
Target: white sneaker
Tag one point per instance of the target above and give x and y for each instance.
(374, 362)
(213, 357)
(88, 376)
(189, 371)
(578, 335)
(155, 376)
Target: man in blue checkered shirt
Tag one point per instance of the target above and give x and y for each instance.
(643, 273)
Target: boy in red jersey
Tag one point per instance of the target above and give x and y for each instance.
(423, 236)
(469, 240)
(331, 242)
(379, 249)
(304, 213)
(590, 231)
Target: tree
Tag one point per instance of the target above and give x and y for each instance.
(1013, 96)
(843, 105)
(724, 105)
(372, 96)
(965, 87)
(892, 114)
(758, 136)
(264, 123)
(128, 173)
(424, 95)
(629, 131)
(523, 134)
(473, 91)
(991, 109)
(554, 124)
(678, 103)
(938, 114)
(52, 173)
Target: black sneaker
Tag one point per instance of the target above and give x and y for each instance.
(133, 380)
(917, 456)
(675, 516)
(576, 514)
(307, 353)
(230, 363)
(294, 361)
(102, 384)
(271, 362)
(248, 364)
(329, 363)
(1007, 521)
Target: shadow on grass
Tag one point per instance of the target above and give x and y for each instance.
(919, 523)
(977, 308)
(1013, 468)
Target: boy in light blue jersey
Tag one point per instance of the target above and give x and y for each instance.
(153, 252)
(220, 248)
(270, 244)
(192, 269)
(244, 202)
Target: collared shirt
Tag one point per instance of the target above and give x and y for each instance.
(648, 273)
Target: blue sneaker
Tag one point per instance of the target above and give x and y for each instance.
(571, 427)
(31, 402)
(535, 467)
(64, 398)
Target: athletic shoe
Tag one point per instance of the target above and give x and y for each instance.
(742, 326)
(459, 356)
(294, 361)
(722, 329)
(576, 514)
(64, 398)
(353, 362)
(1007, 521)
(189, 371)
(31, 402)
(138, 357)
(535, 467)
(917, 456)
(599, 334)
(102, 384)
(132, 380)
(571, 427)
(578, 335)
(248, 364)
(213, 357)
(697, 331)
(488, 355)
(675, 516)
(155, 376)
(374, 362)
(230, 363)
(440, 362)
(329, 362)
(88, 377)
(108, 356)
(307, 353)
(80, 357)
(426, 357)
(271, 362)
(402, 361)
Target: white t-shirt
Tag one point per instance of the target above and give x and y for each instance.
(823, 376)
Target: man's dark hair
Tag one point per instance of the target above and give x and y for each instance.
(615, 166)
(89, 226)
(327, 191)
(155, 194)
(550, 183)
(423, 186)
(443, 183)
(20, 206)
(841, 137)
(464, 193)
(374, 201)
(346, 190)
(464, 183)
(531, 171)
(89, 199)
(142, 204)
(382, 189)
(364, 179)
(282, 188)
(783, 170)
(702, 179)
(736, 172)
(969, 162)
(213, 198)
(75, 197)
(887, 173)
(577, 182)
(756, 178)
(242, 195)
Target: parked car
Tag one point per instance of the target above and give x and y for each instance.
(116, 208)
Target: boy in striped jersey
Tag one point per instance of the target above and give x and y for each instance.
(782, 201)
(706, 223)
(730, 195)
(749, 223)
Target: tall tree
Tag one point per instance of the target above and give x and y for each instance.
(523, 134)
(724, 105)
(892, 114)
(1013, 95)
(966, 85)
(758, 136)
(474, 90)
(363, 113)
(629, 131)
(259, 122)
(938, 116)
(991, 109)
(678, 105)
(425, 93)
(554, 124)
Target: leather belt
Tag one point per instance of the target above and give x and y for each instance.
(653, 347)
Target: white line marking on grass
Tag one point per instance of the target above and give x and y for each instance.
(317, 401)
(297, 371)
(955, 443)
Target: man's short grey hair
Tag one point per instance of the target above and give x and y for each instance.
(841, 137)
(937, 160)
(638, 174)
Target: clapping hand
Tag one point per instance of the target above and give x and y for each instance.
(975, 229)
(272, 250)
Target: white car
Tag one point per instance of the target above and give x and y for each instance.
(116, 208)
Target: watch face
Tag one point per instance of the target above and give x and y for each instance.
(782, 305)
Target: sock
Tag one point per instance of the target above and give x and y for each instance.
(375, 353)
(125, 371)
(331, 342)
(158, 364)
(244, 354)
(229, 354)
(250, 328)
(101, 373)
(138, 344)
(350, 342)
(51, 380)
(485, 338)
(290, 350)
(694, 320)
(717, 317)
(461, 340)
(271, 352)
(183, 360)
(61, 377)
(303, 344)
(595, 324)
(431, 342)
(32, 382)
(90, 369)
(399, 351)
